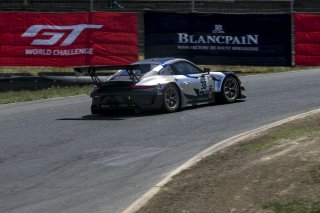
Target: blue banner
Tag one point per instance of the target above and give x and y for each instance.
(227, 39)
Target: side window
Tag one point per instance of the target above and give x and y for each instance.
(166, 71)
(183, 68)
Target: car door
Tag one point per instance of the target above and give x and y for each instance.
(196, 85)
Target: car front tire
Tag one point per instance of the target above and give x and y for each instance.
(230, 90)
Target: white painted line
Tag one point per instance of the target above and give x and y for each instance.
(135, 206)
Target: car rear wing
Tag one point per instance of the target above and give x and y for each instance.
(92, 71)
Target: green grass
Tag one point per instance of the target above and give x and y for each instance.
(315, 175)
(294, 206)
(260, 146)
(34, 71)
(277, 137)
(53, 92)
(255, 69)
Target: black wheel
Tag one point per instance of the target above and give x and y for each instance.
(171, 99)
(95, 110)
(230, 90)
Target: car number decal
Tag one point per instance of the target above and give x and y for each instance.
(204, 85)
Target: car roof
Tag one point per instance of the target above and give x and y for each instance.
(155, 60)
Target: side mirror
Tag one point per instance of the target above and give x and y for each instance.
(206, 69)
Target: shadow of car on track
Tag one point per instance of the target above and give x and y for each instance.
(114, 116)
(119, 115)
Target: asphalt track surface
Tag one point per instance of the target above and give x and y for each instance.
(56, 157)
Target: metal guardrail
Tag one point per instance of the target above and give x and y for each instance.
(34, 83)
(213, 6)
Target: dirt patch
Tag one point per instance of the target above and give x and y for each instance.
(277, 171)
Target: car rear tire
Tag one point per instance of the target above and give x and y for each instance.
(95, 110)
(171, 99)
(230, 90)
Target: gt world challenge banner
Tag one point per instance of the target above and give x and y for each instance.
(68, 39)
(229, 39)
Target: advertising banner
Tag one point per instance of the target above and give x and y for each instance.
(229, 39)
(307, 39)
(68, 39)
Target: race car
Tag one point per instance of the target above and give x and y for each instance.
(162, 83)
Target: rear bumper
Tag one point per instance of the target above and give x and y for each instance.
(132, 98)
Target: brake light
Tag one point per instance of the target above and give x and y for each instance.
(141, 86)
(97, 86)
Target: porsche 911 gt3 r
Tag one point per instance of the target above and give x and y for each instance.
(163, 83)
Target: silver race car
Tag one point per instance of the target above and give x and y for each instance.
(162, 83)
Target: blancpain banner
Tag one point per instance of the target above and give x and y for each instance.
(218, 37)
(231, 39)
